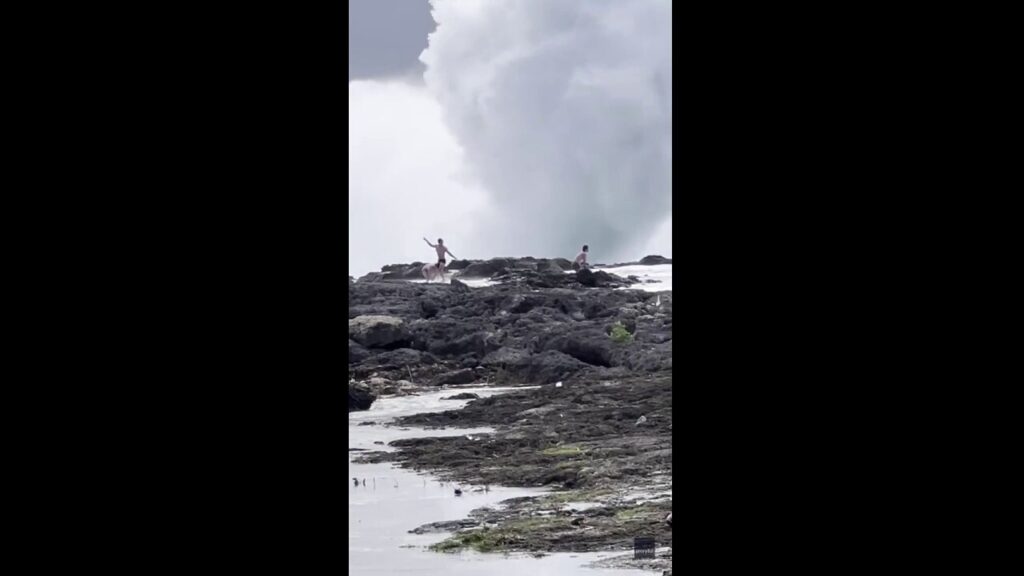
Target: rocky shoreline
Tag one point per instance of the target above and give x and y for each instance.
(594, 424)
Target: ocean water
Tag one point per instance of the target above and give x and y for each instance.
(662, 273)
(394, 501)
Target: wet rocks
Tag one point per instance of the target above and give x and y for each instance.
(356, 352)
(537, 526)
(377, 331)
(506, 334)
(602, 279)
(589, 346)
(504, 356)
(412, 271)
(359, 397)
(463, 396)
(562, 263)
(649, 260)
(654, 260)
(488, 268)
(586, 278)
(371, 277)
(449, 526)
(582, 434)
(532, 279)
(399, 358)
(446, 339)
(463, 376)
(606, 427)
(544, 368)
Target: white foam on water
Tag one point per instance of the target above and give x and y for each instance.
(385, 410)
(660, 272)
(471, 282)
(581, 506)
(394, 501)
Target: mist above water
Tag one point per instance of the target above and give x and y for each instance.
(564, 113)
(539, 126)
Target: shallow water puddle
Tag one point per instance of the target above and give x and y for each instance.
(393, 501)
(581, 506)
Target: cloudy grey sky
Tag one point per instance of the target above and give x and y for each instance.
(385, 37)
(509, 128)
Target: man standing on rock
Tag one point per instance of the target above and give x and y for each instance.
(441, 250)
(581, 259)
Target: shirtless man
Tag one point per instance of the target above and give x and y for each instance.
(441, 250)
(581, 259)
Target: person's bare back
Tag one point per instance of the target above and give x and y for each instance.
(581, 259)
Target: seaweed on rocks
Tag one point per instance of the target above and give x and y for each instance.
(596, 418)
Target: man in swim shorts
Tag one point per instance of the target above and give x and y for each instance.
(441, 251)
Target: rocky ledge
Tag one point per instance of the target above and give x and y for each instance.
(533, 272)
(359, 397)
(510, 334)
(594, 423)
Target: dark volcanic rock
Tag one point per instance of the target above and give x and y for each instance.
(562, 263)
(544, 368)
(447, 526)
(586, 278)
(590, 346)
(399, 358)
(374, 331)
(536, 325)
(449, 338)
(356, 353)
(520, 303)
(598, 418)
(488, 268)
(463, 376)
(504, 356)
(462, 396)
(359, 397)
(602, 279)
(545, 265)
(412, 271)
(429, 308)
(654, 259)
(534, 279)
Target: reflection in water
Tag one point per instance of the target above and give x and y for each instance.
(394, 501)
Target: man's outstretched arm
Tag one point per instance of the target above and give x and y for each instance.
(431, 245)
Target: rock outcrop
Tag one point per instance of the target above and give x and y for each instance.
(378, 331)
(532, 328)
(359, 397)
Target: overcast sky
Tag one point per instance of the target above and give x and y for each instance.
(513, 128)
(385, 37)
